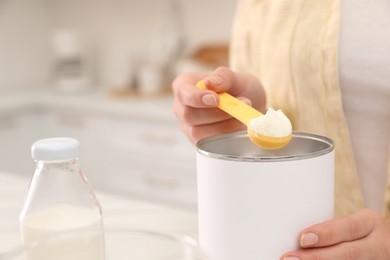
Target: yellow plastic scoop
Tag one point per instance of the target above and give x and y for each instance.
(244, 113)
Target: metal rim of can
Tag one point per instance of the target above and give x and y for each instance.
(245, 158)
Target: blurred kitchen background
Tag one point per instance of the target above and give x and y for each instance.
(100, 71)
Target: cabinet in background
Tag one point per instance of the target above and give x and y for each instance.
(143, 156)
(19, 128)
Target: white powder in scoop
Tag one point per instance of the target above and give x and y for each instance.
(273, 124)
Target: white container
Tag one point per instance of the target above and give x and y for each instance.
(252, 203)
(73, 69)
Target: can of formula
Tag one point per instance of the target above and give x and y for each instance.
(252, 203)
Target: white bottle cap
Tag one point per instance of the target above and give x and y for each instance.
(57, 148)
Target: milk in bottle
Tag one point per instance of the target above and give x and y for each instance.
(59, 200)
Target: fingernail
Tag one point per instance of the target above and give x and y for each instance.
(246, 101)
(309, 239)
(291, 258)
(209, 100)
(215, 79)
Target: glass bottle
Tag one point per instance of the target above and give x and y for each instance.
(59, 198)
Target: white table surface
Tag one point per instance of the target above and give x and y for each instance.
(118, 212)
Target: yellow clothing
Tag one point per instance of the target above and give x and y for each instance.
(292, 46)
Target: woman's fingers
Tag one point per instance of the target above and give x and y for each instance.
(197, 109)
(198, 132)
(363, 235)
(357, 250)
(199, 116)
(221, 80)
(186, 93)
(340, 229)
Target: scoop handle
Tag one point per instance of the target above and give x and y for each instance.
(233, 106)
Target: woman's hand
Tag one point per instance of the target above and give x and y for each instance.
(197, 110)
(364, 235)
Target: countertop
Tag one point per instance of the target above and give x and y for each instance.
(156, 107)
(118, 212)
